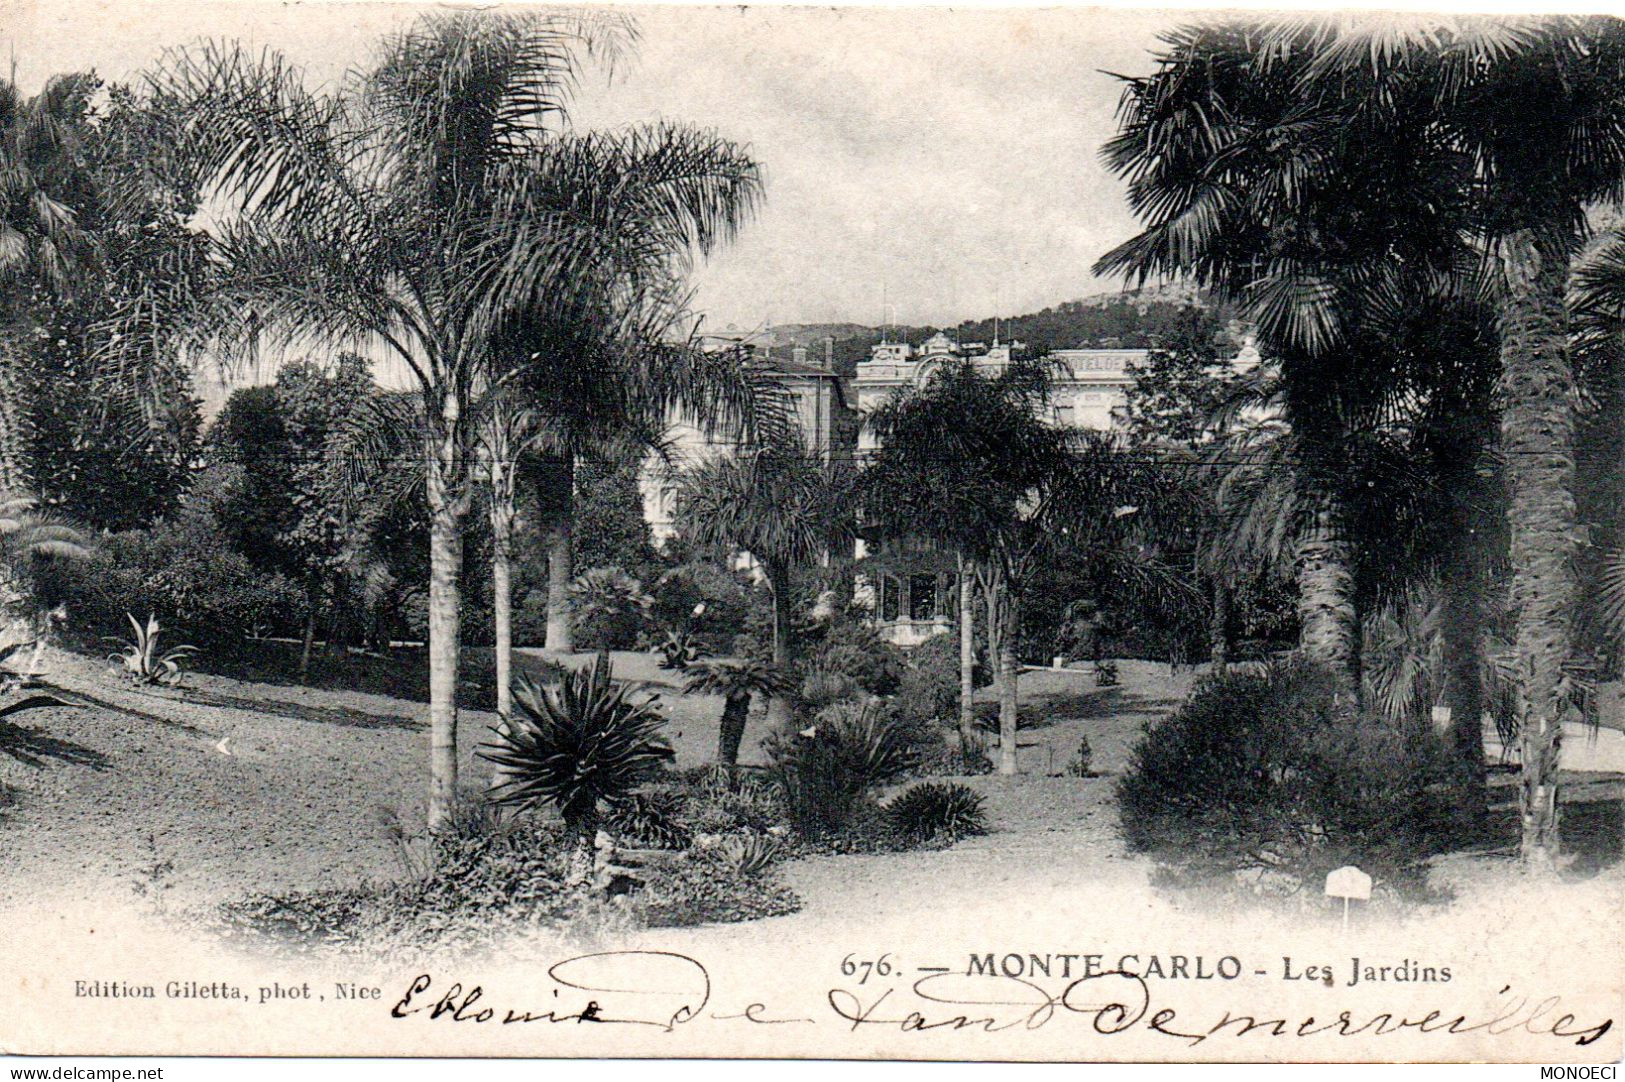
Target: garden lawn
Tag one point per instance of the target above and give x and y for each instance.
(224, 787)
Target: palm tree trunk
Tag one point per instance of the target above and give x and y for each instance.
(447, 505)
(731, 733)
(14, 474)
(1328, 620)
(992, 595)
(1463, 645)
(1537, 435)
(502, 609)
(583, 827)
(1009, 678)
(778, 582)
(1218, 628)
(307, 642)
(967, 655)
(1462, 606)
(560, 561)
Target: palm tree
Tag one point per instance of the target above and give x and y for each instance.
(781, 504)
(736, 682)
(41, 241)
(1535, 108)
(953, 461)
(417, 212)
(1325, 228)
(580, 744)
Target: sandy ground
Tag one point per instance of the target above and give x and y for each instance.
(253, 787)
(246, 786)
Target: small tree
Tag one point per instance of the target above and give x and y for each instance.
(579, 744)
(736, 682)
(784, 506)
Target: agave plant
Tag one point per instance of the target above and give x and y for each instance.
(579, 744)
(679, 649)
(736, 682)
(752, 855)
(144, 660)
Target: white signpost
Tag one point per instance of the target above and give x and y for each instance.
(1348, 882)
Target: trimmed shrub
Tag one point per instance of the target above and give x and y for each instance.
(934, 810)
(1266, 771)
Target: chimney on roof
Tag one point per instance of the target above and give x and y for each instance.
(799, 355)
(829, 351)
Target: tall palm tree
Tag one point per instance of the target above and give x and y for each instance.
(414, 212)
(1321, 228)
(1535, 108)
(785, 506)
(42, 181)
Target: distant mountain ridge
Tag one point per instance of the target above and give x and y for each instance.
(1176, 293)
(1128, 319)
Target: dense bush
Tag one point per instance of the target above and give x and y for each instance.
(852, 647)
(826, 769)
(822, 688)
(611, 609)
(184, 572)
(1265, 771)
(482, 880)
(486, 882)
(708, 603)
(710, 800)
(929, 687)
(650, 818)
(935, 810)
(945, 757)
(711, 886)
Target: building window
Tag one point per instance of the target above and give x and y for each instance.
(922, 597)
(889, 599)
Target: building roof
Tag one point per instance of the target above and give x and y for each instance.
(789, 366)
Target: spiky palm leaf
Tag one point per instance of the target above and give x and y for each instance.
(578, 744)
(730, 679)
(782, 503)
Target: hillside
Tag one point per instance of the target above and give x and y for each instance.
(1127, 319)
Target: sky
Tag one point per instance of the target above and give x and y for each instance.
(922, 166)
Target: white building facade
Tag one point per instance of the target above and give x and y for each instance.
(1088, 389)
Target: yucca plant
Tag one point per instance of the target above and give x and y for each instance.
(579, 744)
(736, 682)
(144, 660)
